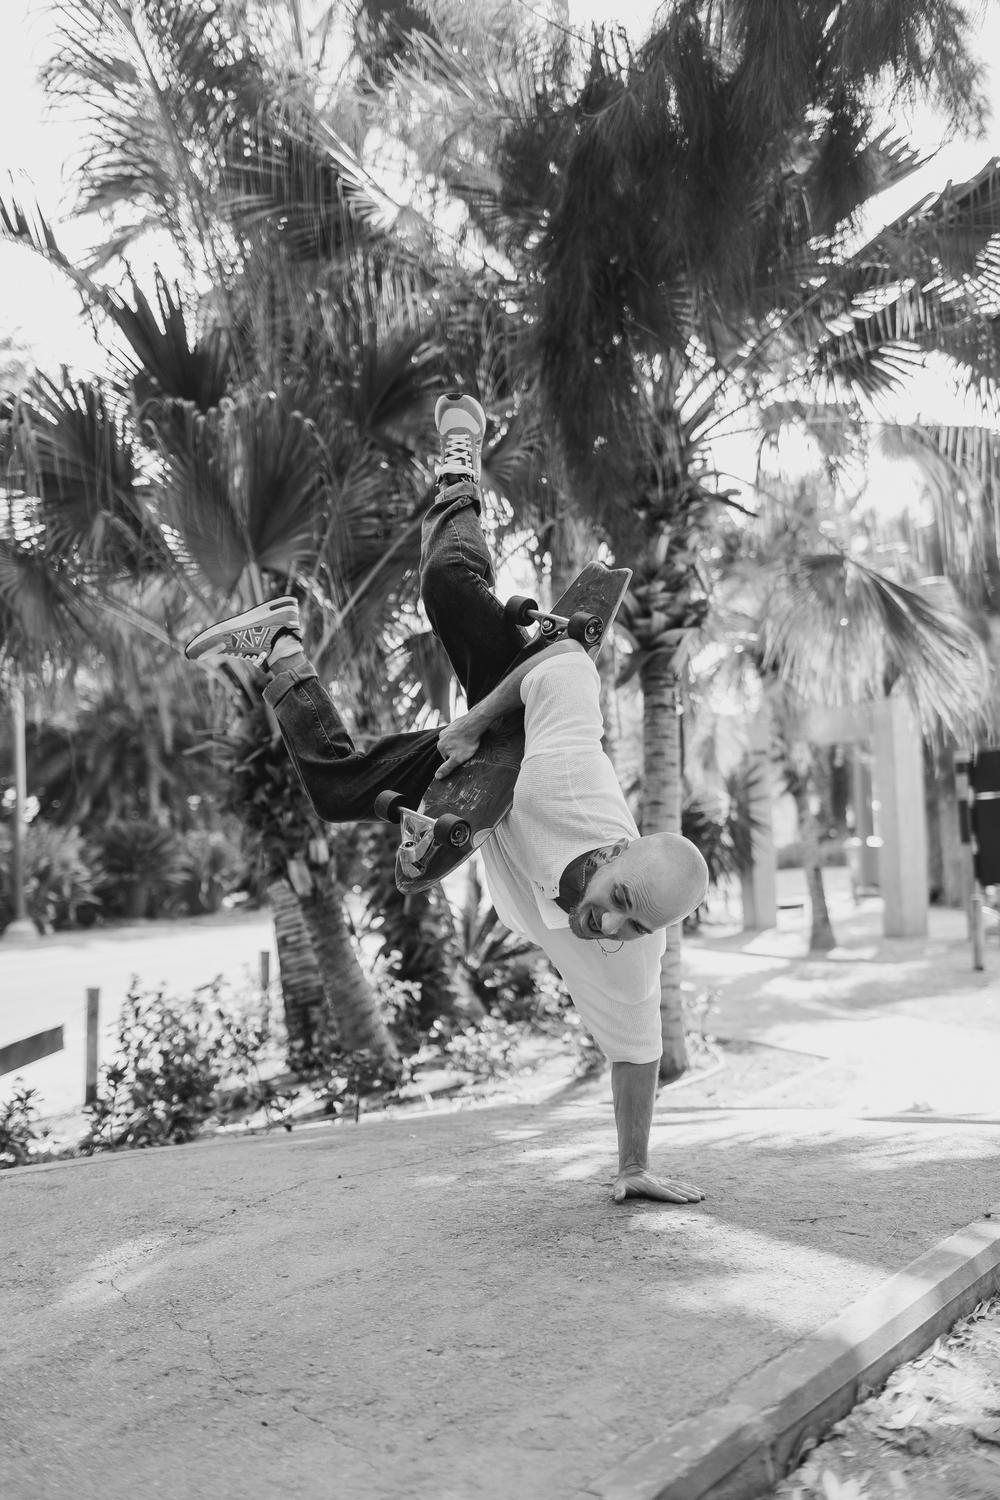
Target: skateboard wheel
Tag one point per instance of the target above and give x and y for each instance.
(517, 609)
(388, 806)
(451, 830)
(587, 629)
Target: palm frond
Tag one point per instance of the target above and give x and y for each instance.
(22, 221)
(169, 360)
(288, 175)
(77, 455)
(243, 486)
(159, 83)
(43, 608)
(960, 466)
(840, 632)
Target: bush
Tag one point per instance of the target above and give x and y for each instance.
(143, 866)
(18, 1121)
(61, 877)
(210, 868)
(178, 1063)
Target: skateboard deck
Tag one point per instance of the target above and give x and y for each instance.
(460, 812)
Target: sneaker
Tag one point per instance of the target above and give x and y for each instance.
(461, 424)
(250, 634)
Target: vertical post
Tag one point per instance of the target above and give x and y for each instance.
(90, 1088)
(898, 775)
(976, 926)
(758, 885)
(265, 970)
(22, 926)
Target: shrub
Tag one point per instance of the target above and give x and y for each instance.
(18, 1122)
(210, 867)
(142, 867)
(61, 878)
(160, 1086)
(179, 1062)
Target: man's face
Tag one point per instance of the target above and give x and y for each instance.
(617, 903)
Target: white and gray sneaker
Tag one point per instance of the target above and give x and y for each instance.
(461, 425)
(251, 634)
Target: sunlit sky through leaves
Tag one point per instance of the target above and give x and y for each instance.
(40, 313)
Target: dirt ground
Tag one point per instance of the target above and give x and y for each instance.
(931, 1433)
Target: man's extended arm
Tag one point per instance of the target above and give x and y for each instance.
(459, 740)
(633, 1088)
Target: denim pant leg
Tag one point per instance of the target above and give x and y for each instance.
(456, 586)
(341, 781)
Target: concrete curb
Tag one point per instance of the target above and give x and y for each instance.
(742, 1449)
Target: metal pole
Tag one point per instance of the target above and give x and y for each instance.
(976, 926)
(22, 926)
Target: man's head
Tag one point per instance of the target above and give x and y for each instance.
(653, 882)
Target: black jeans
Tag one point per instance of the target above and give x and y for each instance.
(456, 586)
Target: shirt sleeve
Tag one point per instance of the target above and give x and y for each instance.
(562, 705)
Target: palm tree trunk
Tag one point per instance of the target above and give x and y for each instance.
(353, 1004)
(821, 936)
(661, 813)
(301, 986)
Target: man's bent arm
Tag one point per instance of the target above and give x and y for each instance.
(459, 740)
(633, 1089)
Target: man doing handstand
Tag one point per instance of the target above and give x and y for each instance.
(566, 867)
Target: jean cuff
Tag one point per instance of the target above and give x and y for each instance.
(292, 670)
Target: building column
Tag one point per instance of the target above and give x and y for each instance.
(900, 817)
(759, 884)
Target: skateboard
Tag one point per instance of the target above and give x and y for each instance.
(458, 814)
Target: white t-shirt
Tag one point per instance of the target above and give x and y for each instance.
(567, 801)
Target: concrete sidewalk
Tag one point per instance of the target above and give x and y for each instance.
(449, 1307)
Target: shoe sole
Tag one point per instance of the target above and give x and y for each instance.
(455, 404)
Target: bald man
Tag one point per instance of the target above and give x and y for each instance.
(566, 867)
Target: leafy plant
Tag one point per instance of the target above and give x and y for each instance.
(485, 1050)
(211, 865)
(61, 877)
(160, 1086)
(143, 867)
(178, 1063)
(18, 1122)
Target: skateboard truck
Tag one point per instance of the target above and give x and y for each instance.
(581, 627)
(420, 835)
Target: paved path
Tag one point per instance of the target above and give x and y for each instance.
(447, 1308)
(450, 1307)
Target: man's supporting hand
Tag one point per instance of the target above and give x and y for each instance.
(458, 742)
(633, 1087)
(639, 1182)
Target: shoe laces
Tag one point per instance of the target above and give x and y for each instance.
(459, 454)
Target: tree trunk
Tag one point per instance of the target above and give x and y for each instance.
(661, 813)
(353, 1005)
(301, 986)
(821, 937)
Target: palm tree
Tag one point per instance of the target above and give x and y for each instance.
(815, 616)
(261, 438)
(681, 217)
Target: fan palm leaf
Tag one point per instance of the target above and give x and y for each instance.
(169, 359)
(841, 632)
(243, 486)
(77, 455)
(160, 84)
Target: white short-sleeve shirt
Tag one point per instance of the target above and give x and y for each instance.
(567, 801)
